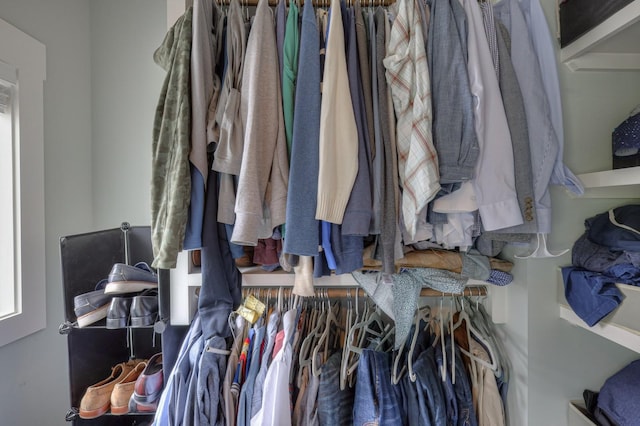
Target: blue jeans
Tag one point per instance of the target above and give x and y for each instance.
(462, 388)
(450, 401)
(431, 399)
(375, 399)
(334, 405)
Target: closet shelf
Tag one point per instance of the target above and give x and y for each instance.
(619, 183)
(186, 278)
(622, 326)
(612, 45)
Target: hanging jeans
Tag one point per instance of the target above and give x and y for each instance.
(334, 405)
(375, 399)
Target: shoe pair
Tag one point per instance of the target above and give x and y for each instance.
(137, 311)
(113, 392)
(93, 306)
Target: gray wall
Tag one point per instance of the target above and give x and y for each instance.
(100, 95)
(125, 88)
(34, 384)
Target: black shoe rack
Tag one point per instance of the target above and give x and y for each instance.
(93, 350)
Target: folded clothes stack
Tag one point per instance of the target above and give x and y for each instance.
(607, 253)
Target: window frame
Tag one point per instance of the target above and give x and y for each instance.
(28, 56)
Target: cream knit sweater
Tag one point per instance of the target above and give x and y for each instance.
(338, 133)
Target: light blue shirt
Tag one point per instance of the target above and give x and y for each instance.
(544, 48)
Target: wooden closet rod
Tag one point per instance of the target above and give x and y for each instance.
(341, 292)
(318, 3)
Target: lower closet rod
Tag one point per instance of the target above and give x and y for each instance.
(341, 292)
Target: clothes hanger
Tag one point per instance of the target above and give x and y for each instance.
(541, 251)
(371, 327)
(395, 374)
(464, 317)
(330, 324)
(422, 314)
(345, 353)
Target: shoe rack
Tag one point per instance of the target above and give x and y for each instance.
(93, 350)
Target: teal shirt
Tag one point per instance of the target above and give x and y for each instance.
(290, 70)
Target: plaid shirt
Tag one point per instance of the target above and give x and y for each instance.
(408, 76)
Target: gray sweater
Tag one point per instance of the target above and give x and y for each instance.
(264, 157)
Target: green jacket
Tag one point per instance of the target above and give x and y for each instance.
(170, 172)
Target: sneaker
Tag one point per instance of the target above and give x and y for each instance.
(144, 308)
(92, 306)
(131, 279)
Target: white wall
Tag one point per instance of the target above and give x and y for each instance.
(34, 386)
(564, 360)
(125, 86)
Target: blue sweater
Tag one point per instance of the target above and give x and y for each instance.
(302, 227)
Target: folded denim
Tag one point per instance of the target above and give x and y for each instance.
(591, 295)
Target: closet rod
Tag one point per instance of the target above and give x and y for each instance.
(341, 292)
(318, 3)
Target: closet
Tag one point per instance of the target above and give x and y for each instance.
(533, 329)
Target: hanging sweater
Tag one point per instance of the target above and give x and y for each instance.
(338, 135)
(170, 176)
(264, 157)
(302, 226)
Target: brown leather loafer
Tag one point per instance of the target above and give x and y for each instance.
(97, 398)
(122, 391)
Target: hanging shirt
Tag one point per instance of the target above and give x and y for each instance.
(290, 70)
(454, 135)
(543, 45)
(203, 83)
(276, 403)
(492, 189)
(408, 76)
(543, 141)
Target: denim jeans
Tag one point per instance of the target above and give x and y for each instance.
(450, 401)
(431, 400)
(375, 399)
(334, 405)
(462, 388)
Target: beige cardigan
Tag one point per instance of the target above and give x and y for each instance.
(338, 134)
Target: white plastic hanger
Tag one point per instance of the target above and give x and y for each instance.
(331, 323)
(421, 314)
(541, 250)
(464, 317)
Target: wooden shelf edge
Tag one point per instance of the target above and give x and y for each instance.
(623, 336)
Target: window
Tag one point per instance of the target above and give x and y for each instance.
(22, 261)
(7, 189)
